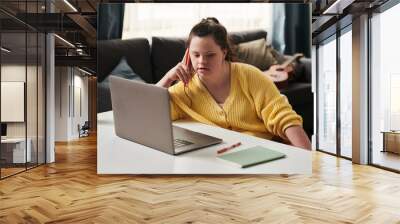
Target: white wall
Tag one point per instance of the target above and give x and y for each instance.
(71, 102)
(85, 98)
(12, 73)
(61, 103)
(81, 104)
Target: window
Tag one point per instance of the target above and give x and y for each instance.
(146, 20)
(22, 67)
(327, 96)
(385, 85)
(346, 94)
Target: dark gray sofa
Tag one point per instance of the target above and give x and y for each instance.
(151, 62)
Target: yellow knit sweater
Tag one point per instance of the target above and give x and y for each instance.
(254, 105)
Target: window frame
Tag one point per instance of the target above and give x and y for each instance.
(346, 26)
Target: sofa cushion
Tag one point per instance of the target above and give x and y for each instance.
(122, 70)
(256, 53)
(298, 93)
(136, 51)
(165, 54)
(301, 99)
(103, 96)
(306, 66)
(245, 36)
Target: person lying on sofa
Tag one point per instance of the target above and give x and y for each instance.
(233, 95)
(272, 63)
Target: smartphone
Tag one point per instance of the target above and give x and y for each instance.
(188, 62)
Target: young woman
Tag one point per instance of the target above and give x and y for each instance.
(216, 91)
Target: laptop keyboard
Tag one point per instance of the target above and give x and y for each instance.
(180, 143)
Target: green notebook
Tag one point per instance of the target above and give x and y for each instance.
(251, 156)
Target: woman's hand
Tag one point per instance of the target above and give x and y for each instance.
(179, 72)
(183, 71)
(277, 73)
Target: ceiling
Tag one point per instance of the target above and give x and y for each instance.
(74, 21)
(330, 15)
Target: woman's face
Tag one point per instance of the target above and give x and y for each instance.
(206, 55)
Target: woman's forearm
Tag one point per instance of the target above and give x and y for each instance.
(298, 137)
(164, 82)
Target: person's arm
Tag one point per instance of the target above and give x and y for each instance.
(182, 71)
(275, 111)
(165, 82)
(298, 137)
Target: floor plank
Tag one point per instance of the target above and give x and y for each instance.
(70, 191)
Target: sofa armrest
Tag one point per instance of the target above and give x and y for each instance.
(103, 96)
(301, 99)
(302, 69)
(306, 64)
(137, 54)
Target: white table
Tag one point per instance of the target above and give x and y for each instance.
(120, 156)
(18, 149)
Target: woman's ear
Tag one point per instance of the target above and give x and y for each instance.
(225, 52)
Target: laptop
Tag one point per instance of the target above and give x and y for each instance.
(142, 115)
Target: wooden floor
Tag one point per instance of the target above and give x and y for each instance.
(10, 171)
(70, 191)
(387, 159)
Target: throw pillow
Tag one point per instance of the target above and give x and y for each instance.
(166, 52)
(256, 53)
(123, 70)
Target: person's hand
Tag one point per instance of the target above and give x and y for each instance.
(183, 71)
(289, 68)
(179, 72)
(277, 73)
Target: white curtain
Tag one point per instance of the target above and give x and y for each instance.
(177, 19)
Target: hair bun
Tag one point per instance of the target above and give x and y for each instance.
(211, 19)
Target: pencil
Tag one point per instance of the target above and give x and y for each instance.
(229, 148)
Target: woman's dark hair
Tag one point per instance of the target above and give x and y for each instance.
(211, 26)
